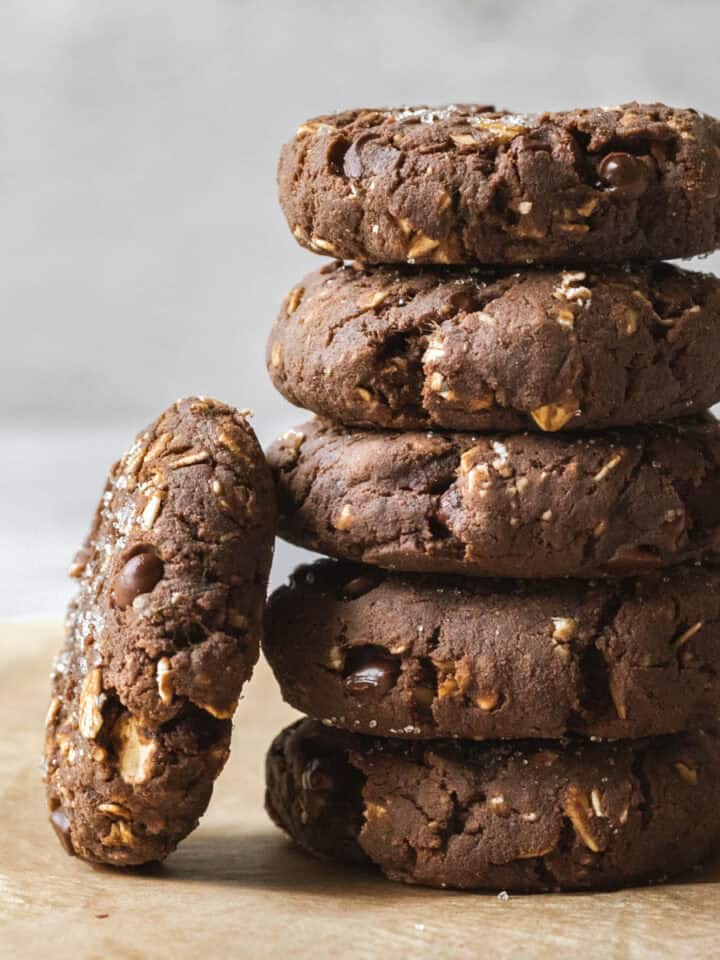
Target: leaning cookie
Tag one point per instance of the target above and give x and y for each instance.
(422, 656)
(526, 816)
(462, 184)
(408, 348)
(617, 503)
(161, 636)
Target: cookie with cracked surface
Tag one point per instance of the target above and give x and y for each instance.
(465, 184)
(161, 636)
(409, 348)
(527, 815)
(422, 656)
(620, 502)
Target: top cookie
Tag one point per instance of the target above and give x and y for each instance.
(464, 184)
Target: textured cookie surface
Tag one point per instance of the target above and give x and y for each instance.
(527, 816)
(461, 183)
(422, 656)
(527, 505)
(408, 348)
(161, 636)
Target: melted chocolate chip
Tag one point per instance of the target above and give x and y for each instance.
(61, 826)
(316, 776)
(366, 156)
(138, 575)
(352, 162)
(370, 671)
(625, 174)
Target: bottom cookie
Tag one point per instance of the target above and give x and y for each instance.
(524, 816)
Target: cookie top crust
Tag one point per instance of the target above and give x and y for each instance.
(465, 183)
(471, 349)
(616, 503)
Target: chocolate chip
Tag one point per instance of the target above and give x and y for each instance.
(378, 677)
(370, 671)
(366, 156)
(61, 826)
(625, 174)
(316, 776)
(378, 160)
(352, 162)
(138, 575)
(352, 165)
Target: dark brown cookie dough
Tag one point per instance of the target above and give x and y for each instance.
(409, 348)
(617, 503)
(526, 816)
(161, 636)
(422, 656)
(462, 184)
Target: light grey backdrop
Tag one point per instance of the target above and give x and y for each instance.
(142, 252)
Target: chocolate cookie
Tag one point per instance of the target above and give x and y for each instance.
(527, 816)
(162, 635)
(463, 184)
(409, 348)
(422, 656)
(513, 505)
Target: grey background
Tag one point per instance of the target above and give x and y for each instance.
(142, 252)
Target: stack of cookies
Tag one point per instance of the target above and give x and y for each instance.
(513, 660)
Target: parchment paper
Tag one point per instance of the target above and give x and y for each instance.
(237, 888)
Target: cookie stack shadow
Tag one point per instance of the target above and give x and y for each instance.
(511, 665)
